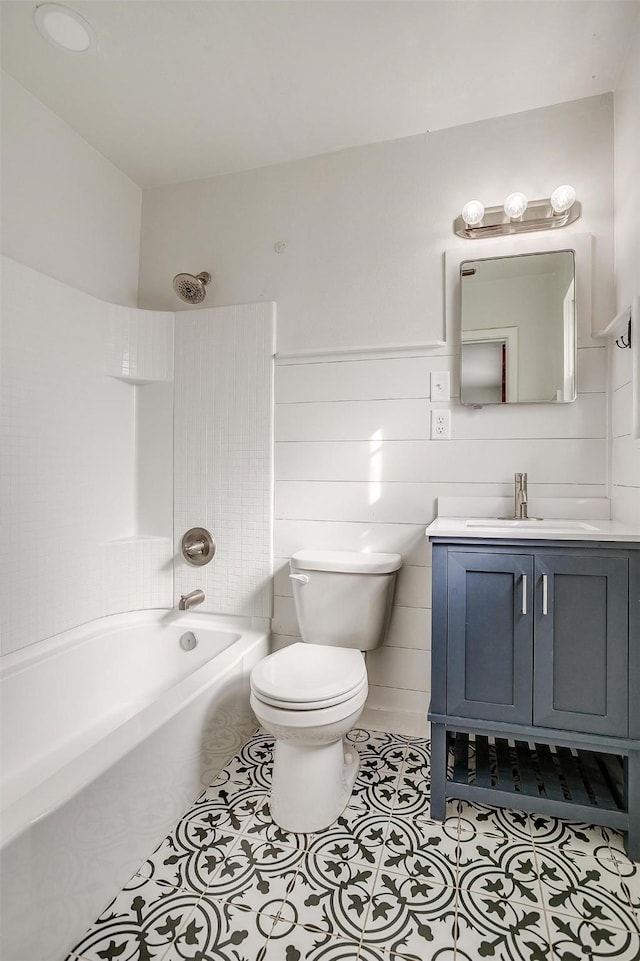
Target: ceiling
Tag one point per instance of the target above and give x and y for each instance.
(193, 88)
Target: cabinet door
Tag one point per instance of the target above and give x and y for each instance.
(489, 660)
(582, 642)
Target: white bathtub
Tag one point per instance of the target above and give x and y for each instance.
(109, 731)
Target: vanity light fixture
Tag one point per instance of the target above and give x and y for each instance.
(518, 215)
(64, 28)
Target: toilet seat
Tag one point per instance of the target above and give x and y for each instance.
(310, 705)
(306, 677)
(314, 716)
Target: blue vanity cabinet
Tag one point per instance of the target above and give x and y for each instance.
(581, 661)
(536, 678)
(538, 638)
(490, 635)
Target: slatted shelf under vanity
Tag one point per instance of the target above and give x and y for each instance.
(537, 777)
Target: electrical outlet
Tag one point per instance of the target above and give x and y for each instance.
(439, 385)
(440, 425)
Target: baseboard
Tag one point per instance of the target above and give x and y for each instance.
(394, 722)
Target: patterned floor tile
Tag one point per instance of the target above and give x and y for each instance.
(410, 917)
(231, 807)
(495, 867)
(220, 932)
(618, 846)
(264, 827)
(574, 837)
(502, 929)
(420, 743)
(357, 835)
(507, 823)
(585, 888)
(414, 786)
(630, 882)
(142, 921)
(450, 822)
(290, 942)
(330, 895)
(430, 952)
(577, 938)
(374, 740)
(381, 761)
(189, 855)
(383, 883)
(253, 764)
(421, 850)
(256, 875)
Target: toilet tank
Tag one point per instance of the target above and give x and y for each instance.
(343, 598)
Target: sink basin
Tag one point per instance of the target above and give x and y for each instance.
(555, 526)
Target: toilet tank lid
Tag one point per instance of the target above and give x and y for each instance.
(346, 562)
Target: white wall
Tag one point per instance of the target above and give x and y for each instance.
(365, 231)
(66, 210)
(366, 228)
(625, 452)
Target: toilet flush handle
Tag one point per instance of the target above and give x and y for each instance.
(299, 577)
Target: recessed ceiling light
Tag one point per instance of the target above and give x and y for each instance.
(65, 28)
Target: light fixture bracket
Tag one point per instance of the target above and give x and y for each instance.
(539, 215)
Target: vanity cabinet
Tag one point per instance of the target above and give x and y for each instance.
(538, 638)
(535, 659)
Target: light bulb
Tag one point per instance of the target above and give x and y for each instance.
(515, 205)
(563, 198)
(472, 212)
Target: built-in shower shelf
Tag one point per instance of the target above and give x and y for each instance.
(140, 381)
(537, 777)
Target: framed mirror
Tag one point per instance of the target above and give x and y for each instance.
(518, 329)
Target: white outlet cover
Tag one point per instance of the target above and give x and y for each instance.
(440, 425)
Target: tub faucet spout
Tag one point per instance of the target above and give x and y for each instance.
(189, 600)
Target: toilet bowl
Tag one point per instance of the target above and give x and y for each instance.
(311, 694)
(309, 715)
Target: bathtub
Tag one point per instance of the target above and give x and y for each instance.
(109, 731)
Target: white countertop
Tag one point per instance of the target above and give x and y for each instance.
(491, 528)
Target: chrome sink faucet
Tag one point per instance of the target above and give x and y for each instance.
(190, 600)
(521, 507)
(521, 501)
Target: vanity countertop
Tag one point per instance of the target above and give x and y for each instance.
(491, 528)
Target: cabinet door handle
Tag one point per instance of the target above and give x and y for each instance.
(545, 594)
(524, 594)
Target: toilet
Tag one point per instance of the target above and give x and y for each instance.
(311, 694)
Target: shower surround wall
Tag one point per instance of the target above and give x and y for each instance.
(223, 453)
(74, 369)
(87, 445)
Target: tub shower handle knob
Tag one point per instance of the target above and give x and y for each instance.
(193, 550)
(198, 546)
(299, 577)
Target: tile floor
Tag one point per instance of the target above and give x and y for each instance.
(384, 883)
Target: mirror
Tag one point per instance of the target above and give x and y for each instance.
(518, 329)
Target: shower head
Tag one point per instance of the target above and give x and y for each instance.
(191, 289)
